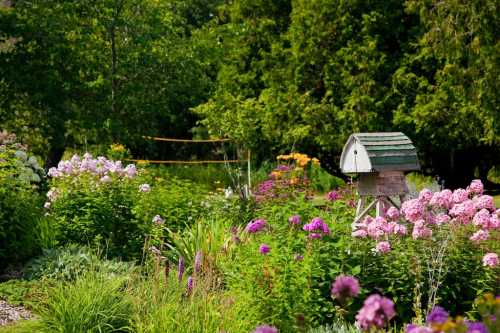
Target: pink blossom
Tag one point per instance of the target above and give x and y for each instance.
(332, 196)
(376, 312)
(105, 179)
(295, 220)
(413, 209)
(360, 233)
(420, 230)
(144, 188)
(400, 230)
(375, 230)
(442, 219)
(476, 186)
(418, 329)
(264, 249)
(482, 218)
(480, 235)
(490, 259)
(494, 222)
(317, 224)
(46, 205)
(441, 199)
(390, 227)
(425, 195)
(158, 220)
(383, 247)
(392, 213)
(344, 287)
(460, 195)
(463, 212)
(130, 170)
(256, 226)
(484, 201)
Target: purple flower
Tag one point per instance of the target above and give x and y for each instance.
(265, 329)
(376, 312)
(476, 327)
(256, 226)
(345, 287)
(298, 257)
(295, 220)
(437, 315)
(197, 261)
(264, 249)
(332, 196)
(144, 188)
(412, 328)
(189, 285)
(158, 220)
(180, 269)
(316, 225)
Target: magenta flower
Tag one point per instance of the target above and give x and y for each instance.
(480, 235)
(298, 257)
(180, 268)
(197, 261)
(265, 329)
(437, 315)
(490, 259)
(332, 196)
(189, 284)
(442, 219)
(376, 312)
(413, 209)
(392, 213)
(460, 195)
(144, 188)
(264, 249)
(476, 186)
(383, 247)
(411, 328)
(158, 220)
(360, 233)
(476, 327)
(345, 287)
(482, 218)
(317, 228)
(256, 226)
(294, 220)
(484, 202)
(425, 195)
(441, 199)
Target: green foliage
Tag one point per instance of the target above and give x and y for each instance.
(116, 216)
(24, 292)
(68, 263)
(23, 326)
(92, 303)
(163, 305)
(20, 207)
(322, 181)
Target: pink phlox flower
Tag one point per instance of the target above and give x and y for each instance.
(345, 286)
(425, 195)
(383, 247)
(413, 209)
(317, 224)
(375, 313)
(105, 179)
(130, 170)
(158, 220)
(420, 230)
(144, 188)
(484, 202)
(490, 259)
(442, 219)
(482, 218)
(410, 328)
(441, 199)
(400, 230)
(480, 235)
(463, 212)
(265, 329)
(476, 186)
(460, 195)
(392, 213)
(333, 196)
(295, 220)
(494, 222)
(375, 230)
(256, 226)
(264, 249)
(360, 233)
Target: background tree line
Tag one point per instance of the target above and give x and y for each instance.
(273, 75)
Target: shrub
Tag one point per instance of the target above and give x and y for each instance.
(20, 202)
(99, 202)
(69, 262)
(92, 303)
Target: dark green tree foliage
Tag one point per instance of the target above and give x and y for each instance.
(273, 75)
(93, 72)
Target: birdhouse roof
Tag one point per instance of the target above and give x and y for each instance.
(375, 152)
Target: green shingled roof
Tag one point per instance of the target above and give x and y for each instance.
(389, 151)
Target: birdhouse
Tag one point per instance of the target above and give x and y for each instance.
(380, 160)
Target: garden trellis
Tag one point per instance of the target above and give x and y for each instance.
(188, 162)
(380, 159)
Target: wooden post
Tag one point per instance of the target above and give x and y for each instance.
(249, 173)
(379, 207)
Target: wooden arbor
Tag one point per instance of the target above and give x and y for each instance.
(380, 159)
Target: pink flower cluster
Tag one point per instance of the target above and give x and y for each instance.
(100, 166)
(375, 313)
(256, 226)
(432, 210)
(316, 228)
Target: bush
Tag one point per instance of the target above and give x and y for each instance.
(98, 202)
(20, 203)
(92, 303)
(69, 262)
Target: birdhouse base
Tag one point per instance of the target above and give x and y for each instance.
(381, 203)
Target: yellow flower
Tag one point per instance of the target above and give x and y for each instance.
(118, 148)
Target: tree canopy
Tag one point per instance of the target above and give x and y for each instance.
(273, 75)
